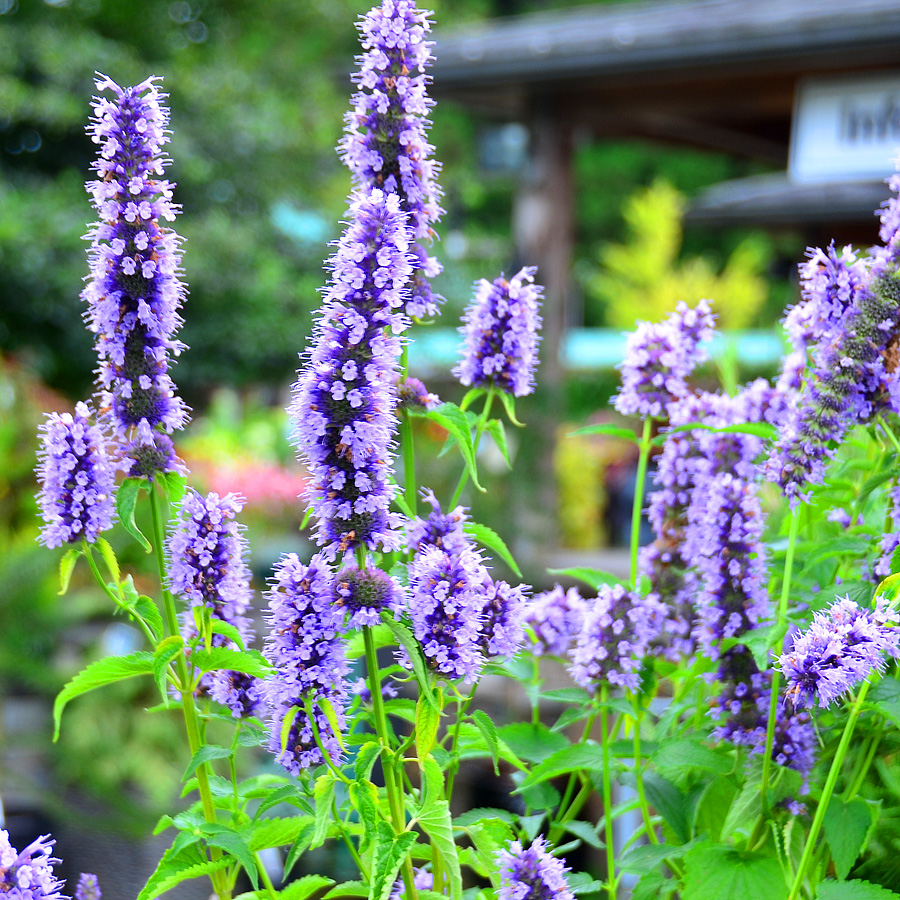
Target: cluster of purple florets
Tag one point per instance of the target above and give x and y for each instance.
(134, 291)
(841, 648)
(500, 327)
(553, 620)
(385, 145)
(29, 875)
(532, 874)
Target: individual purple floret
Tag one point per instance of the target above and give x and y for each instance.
(76, 477)
(422, 879)
(614, 639)
(659, 357)
(29, 875)
(208, 568)
(438, 529)
(532, 874)
(554, 619)
(724, 544)
(502, 628)
(343, 411)
(305, 648)
(134, 291)
(446, 602)
(385, 145)
(412, 394)
(500, 327)
(88, 887)
(841, 648)
(365, 593)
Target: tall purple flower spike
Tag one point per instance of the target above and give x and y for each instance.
(76, 478)
(29, 875)
(134, 290)
(532, 874)
(307, 652)
(88, 887)
(385, 145)
(208, 568)
(344, 419)
(500, 327)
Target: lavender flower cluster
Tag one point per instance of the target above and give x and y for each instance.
(29, 875)
(385, 145)
(134, 291)
(532, 874)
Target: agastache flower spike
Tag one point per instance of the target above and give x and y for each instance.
(555, 618)
(500, 327)
(385, 144)
(532, 874)
(345, 397)
(88, 887)
(76, 477)
(364, 593)
(134, 291)
(29, 875)
(659, 357)
(208, 568)
(305, 648)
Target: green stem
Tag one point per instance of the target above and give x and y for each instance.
(828, 790)
(776, 675)
(607, 796)
(889, 432)
(863, 770)
(349, 844)
(270, 888)
(639, 772)
(638, 506)
(461, 709)
(567, 811)
(191, 725)
(479, 431)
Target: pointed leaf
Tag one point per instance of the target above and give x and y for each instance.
(66, 567)
(414, 652)
(490, 539)
(616, 431)
(847, 828)
(593, 577)
(204, 754)
(498, 433)
(126, 503)
(450, 417)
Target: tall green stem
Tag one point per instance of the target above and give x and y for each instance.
(479, 431)
(827, 791)
(219, 879)
(639, 771)
(776, 675)
(637, 509)
(607, 796)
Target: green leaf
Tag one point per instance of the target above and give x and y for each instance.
(471, 396)
(174, 485)
(414, 652)
(276, 832)
(323, 794)
(713, 807)
(585, 831)
(165, 652)
(885, 697)
(450, 417)
(616, 431)
(109, 557)
(66, 567)
(647, 857)
(434, 819)
(226, 629)
(390, 852)
(364, 797)
(287, 723)
(653, 886)
(582, 883)
(484, 813)
(149, 612)
(348, 889)
(171, 871)
(853, 890)
(670, 803)
(489, 538)
(489, 733)
(306, 517)
(509, 404)
(301, 845)
(250, 662)
(533, 743)
(428, 719)
(227, 839)
(575, 758)
(204, 754)
(679, 756)
(847, 828)
(104, 671)
(126, 503)
(498, 433)
(490, 836)
(593, 577)
(365, 759)
(325, 705)
(716, 872)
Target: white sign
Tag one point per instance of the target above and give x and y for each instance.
(846, 129)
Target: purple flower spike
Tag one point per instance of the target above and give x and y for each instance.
(364, 593)
(660, 357)
(29, 875)
(438, 529)
(345, 397)
(134, 291)
(208, 568)
(385, 145)
(76, 477)
(412, 394)
(614, 639)
(306, 650)
(555, 618)
(502, 629)
(500, 327)
(446, 602)
(88, 887)
(532, 874)
(842, 647)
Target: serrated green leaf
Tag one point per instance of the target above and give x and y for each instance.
(126, 504)
(250, 662)
(325, 705)
(365, 759)
(853, 890)
(109, 557)
(593, 577)
(304, 887)
(233, 842)
(428, 719)
(261, 834)
(647, 857)
(228, 630)
(434, 819)
(716, 872)
(489, 538)
(489, 732)
(165, 652)
(323, 794)
(582, 883)
(744, 811)
(167, 877)
(712, 808)
(203, 755)
(66, 567)
(389, 854)
(450, 417)
(486, 813)
(471, 396)
(102, 672)
(670, 803)
(585, 831)
(301, 845)
(175, 486)
(498, 433)
(414, 652)
(490, 836)
(348, 889)
(846, 828)
(677, 757)
(364, 797)
(149, 612)
(616, 431)
(533, 743)
(509, 405)
(581, 757)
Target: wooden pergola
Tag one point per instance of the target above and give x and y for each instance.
(717, 74)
